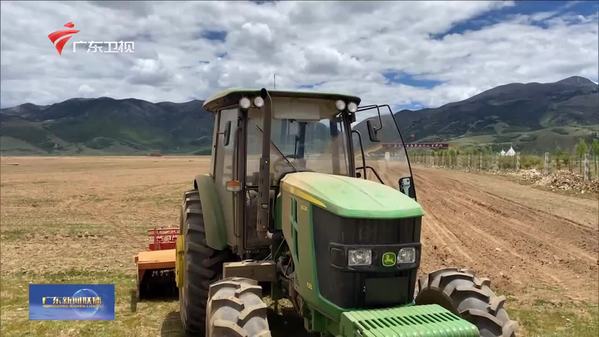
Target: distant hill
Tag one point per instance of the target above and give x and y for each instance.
(533, 117)
(106, 126)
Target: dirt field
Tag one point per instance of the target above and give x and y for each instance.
(68, 219)
(526, 240)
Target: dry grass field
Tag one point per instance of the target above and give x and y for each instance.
(82, 219)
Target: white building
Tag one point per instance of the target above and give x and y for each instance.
(509, 153)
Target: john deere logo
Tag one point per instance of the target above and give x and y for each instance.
(389, 259)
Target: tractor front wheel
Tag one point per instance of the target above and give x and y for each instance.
(469, 297)
(235, 309)
(202, 266)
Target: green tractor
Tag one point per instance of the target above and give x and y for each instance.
(289, 207)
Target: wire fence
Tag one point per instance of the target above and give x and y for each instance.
(586, 165)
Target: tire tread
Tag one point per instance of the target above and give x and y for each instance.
(468, 296)
(235, 308)
(203, 265)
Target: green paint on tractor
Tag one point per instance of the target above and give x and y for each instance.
(352, 197)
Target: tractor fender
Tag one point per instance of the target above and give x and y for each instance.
(214, 221)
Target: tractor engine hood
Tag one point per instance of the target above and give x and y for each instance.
(346, 214)
(351, 197)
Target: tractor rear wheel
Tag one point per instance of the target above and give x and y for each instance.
(203, 266)
(236, 309)
(469, 297)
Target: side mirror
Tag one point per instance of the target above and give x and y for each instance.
(227, 133)
(372, 132)
(407, 187)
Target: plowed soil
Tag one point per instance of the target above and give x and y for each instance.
(531, 243)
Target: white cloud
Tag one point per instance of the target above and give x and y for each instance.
(149, 71)
(86, 91)
(336, 46)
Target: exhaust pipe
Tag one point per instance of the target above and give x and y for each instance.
(262, 224)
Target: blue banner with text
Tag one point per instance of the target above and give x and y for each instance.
(71, 301)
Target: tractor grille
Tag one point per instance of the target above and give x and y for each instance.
(425, 320)
(372, 287)
(389, 322)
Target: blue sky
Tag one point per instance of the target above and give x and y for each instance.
(408, 54)
(530, 8)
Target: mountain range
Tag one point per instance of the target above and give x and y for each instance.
(532, 117)
(106, 126)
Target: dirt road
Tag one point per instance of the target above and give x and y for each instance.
(531, 243)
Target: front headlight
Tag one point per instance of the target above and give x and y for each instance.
(406, 255)
(359, 257)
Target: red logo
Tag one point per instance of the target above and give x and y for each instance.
(60, 37)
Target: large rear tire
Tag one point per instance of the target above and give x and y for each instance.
(203, 266)
(469, 297)
(236, 309)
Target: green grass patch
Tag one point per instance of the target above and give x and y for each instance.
(560, 131)
(546, 319)
(13, 234)
(13, 230)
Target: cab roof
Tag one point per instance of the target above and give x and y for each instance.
(230, 97)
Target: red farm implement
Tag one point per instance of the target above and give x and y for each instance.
(156, 266)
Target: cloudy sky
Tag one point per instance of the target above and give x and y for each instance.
(407, 54)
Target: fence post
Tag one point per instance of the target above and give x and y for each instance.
(517, 161)
(480, 161)
(469, 162)
(570, 163)
(496, 162)
(546, 164)
(387, 158)
(587, 172)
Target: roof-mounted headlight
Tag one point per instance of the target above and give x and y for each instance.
(259, 101)
(340, 104)
(352, 107)
(245, 103)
